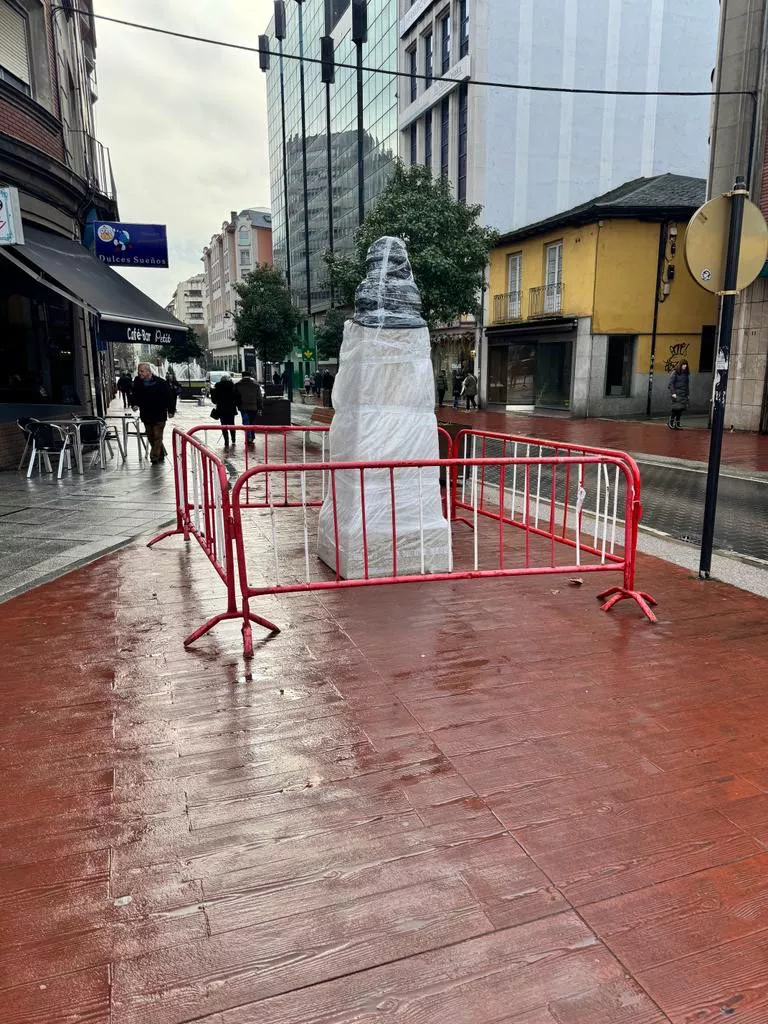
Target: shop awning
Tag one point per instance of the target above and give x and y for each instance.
(125, 313)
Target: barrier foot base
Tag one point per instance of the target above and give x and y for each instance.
(248, 632)
(615, 594)
(162, 536)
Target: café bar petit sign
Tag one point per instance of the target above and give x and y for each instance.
(131, 245)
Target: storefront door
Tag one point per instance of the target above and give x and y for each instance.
(511, 374)
(554, 360)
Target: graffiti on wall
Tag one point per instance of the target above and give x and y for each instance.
(677, 353)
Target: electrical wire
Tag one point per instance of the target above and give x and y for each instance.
(514, 86)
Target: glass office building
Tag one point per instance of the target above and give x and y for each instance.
(328, 17)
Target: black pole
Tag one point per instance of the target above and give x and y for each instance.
(729, 293)
(328, 74)
(656, 304)
(329, 163)
(285, 171)
(360, 137)
(359, 36)
(304, 155)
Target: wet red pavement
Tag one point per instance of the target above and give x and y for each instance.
(477, 803)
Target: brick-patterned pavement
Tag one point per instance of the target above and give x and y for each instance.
(475, 803)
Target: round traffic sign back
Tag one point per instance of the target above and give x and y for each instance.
(706, 243)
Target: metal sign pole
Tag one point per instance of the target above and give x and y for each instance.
(729, 293)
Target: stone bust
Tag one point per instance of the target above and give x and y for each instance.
(388, 296)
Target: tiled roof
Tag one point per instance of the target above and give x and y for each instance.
(663, 196)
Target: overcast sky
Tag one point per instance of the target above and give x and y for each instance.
(185, 123)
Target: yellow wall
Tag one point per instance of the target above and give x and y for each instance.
(578, 267)
(609, 273)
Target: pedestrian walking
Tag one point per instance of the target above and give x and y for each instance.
(250, 402)
(680, 389)
(156, 403)
(173, 382)
(442, 387)
(124, 385)
(469, 390)
(307, 385)
(456, 389)
(225, 402)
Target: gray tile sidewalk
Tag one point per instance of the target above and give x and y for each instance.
(49, 526)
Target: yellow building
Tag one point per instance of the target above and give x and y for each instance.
(589, 306)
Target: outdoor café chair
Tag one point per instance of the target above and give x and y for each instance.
(49, 439)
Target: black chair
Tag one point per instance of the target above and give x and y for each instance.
(23, 424)
(49, 439)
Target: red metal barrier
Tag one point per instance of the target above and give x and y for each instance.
(271, 445)
(538, 553)
(476, 444)
(203, 511)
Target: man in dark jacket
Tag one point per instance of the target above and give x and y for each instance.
(680, 389)
(156, 401)
(124, 387)
(249, 401)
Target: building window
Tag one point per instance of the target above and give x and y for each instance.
(461, 183)
(445, 43)
(707, 353)
(14, 48)
(445, 122)
(414, 144)
(618, 374)
(413, 70)
(428, 59)
(514, 285)
(428, 139)
(463, 28)
(553, 282)
(245, 257)
(245, 235)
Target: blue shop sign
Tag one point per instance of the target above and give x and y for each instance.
(131, 245)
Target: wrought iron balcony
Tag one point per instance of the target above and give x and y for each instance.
(507, 307)
(546, 300)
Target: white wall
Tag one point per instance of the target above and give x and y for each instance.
(547, 152)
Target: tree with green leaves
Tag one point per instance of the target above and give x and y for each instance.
(265, 316)
(329, 334)
(447, 245)
(182, 349)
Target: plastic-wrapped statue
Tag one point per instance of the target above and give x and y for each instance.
(384, 402)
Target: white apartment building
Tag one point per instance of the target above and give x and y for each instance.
(527, 155)
(187, 301)
(244, 240)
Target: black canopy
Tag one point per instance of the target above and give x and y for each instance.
(126, 314)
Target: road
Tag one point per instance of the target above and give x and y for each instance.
(673, 502)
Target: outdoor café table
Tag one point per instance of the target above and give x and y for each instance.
(73, 427)
(127, 420)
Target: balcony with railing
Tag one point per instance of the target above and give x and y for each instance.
(507, 308)
(546, 301)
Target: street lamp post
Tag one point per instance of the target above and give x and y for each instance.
(328, 73)
(304, 154)
(360, 36)
(280, 36)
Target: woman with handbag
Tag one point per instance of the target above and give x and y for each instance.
(680, 389)
(225, 407)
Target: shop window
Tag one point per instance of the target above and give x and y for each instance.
(708, 345)
(618, 375)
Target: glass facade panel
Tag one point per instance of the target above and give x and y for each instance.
(445, 43)
(445, 140)
(379, 144)
(461, 178)
(428, 139)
